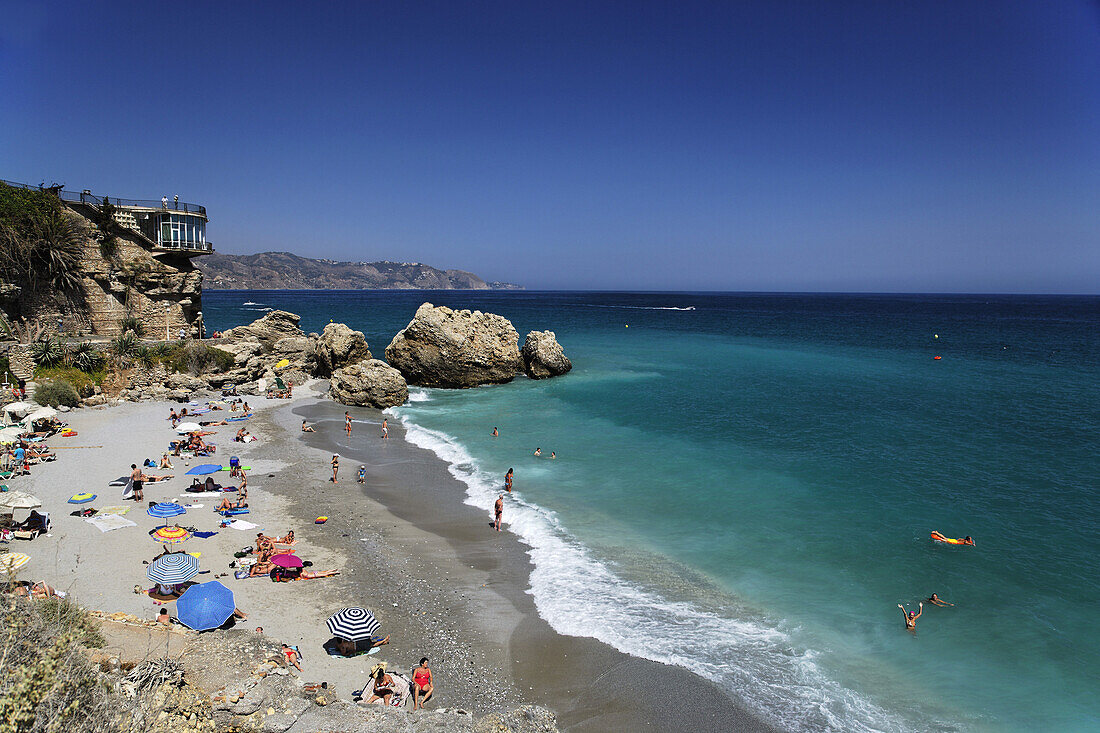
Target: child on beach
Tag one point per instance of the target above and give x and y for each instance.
(362, 474)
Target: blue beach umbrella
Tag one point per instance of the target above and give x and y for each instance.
(81, 498)
(164, 510)
(205, 606)
(177, 567)
(204, 469)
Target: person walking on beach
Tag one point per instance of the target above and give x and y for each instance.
(347, 423)
(335, 467)
(385, 429)
(508, 481)
(498, 508)
(912, 616)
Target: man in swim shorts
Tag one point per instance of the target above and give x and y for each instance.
(499, 509)
(911, 617)
(138, 479)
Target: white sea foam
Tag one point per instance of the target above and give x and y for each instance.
(581, 596)
(419, 395)
(249, 302)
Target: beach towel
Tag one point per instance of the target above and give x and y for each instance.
(115, 510)
(242, 525)
(108, 522)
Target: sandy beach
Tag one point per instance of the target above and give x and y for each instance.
(442, 584)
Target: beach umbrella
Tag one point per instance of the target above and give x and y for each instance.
(170, 535)
(19, 500)
(287, 561)
(205, 606)
(10, 435)
(18, 409)
(42, 413)
(13, 561)
(81, 498)
(204, 469)
(178, 567)
(165, 509)
(352, 624)
(188, 427)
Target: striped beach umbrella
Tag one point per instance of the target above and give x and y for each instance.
(13, 561)
(165, 509)
(170, 535)
(81, 498)
(178, 567)
(352, 624)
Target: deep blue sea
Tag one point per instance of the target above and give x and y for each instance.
(746, 483)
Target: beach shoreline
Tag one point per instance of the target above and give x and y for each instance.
(442, 584)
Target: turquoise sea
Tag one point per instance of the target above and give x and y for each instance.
(746, 483)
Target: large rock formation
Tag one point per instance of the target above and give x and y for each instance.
(446, 348)
(339, 346)
(371, 383)
(543, 356)
(268, 329)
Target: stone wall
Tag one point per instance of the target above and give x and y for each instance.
(160, 289)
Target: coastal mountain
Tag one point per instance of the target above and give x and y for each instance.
(286, 271)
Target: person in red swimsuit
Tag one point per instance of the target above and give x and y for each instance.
(422, 684)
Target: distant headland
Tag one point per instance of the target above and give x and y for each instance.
(287, 271)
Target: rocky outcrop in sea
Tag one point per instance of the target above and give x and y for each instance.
(370, 383)
(543, 356)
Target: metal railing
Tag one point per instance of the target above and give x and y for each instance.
(87, 197)
(187, 246)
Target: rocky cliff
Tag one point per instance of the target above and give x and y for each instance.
(286, 271)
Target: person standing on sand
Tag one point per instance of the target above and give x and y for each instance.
(508, 481)
(911, 617)
(385, 429)
(362, 474)
(138, 480)
(335, 467)
(347, 423)
(498, 508)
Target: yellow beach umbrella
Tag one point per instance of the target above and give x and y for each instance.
(170, 535)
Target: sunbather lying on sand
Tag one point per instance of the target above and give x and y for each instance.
(262, 567)
(206, 423)
(34, 590)
(226, 505)
(285, 575)
(154, 479)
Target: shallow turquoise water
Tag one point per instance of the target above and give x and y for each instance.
(747, 489)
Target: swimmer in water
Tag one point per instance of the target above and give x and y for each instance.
(495, 433)
(938, 537)
(937, 601)
(553, 454)
(538, 451)
(911, 617)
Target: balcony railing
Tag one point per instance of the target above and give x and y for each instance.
(87, 197)
(187, 246)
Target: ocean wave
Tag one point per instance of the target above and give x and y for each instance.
(580, 596)
(642, 307)
(419, 395)
(249, 302)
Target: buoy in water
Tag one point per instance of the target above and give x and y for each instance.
(936, 357)
(935, 335)
(626, 325)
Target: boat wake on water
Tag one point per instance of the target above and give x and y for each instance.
(578, 595)
(642, 307)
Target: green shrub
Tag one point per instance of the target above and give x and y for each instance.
(56, 392)
(194, 358)
(83, 382)
(132, 323)
(40, 244)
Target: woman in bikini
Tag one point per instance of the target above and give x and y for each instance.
(422, 684)
(382, 692)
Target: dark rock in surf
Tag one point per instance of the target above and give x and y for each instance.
(543, 356)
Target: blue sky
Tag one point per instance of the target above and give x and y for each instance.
(854, 146)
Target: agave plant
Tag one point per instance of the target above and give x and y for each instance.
(86, 357)
(125, 344)
(132, 323)
(48, 353)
